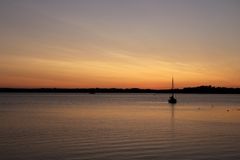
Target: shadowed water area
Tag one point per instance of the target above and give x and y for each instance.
(119, 126)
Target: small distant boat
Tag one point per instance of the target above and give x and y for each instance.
(172, 99)
(92, 92)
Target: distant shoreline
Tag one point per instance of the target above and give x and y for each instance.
(200, 89)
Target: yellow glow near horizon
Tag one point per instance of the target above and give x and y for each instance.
(137, 72)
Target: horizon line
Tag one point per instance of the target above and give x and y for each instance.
(206, 86)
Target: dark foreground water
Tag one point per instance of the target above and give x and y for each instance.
(119, 126)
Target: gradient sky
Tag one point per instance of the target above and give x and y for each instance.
(119, 43)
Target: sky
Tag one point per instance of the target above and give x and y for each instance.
(119, 43)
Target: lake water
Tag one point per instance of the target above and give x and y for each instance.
(119, 126)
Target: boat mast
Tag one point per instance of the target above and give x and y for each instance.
(172, 87)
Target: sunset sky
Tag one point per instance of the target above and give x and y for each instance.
(119, 43)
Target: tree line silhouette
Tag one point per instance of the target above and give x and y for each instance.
(200, 89)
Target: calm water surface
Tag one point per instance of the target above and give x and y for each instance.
(119, 126)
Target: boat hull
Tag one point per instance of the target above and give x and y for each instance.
(172, 100)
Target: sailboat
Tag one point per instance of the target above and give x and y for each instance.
(172, 99)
